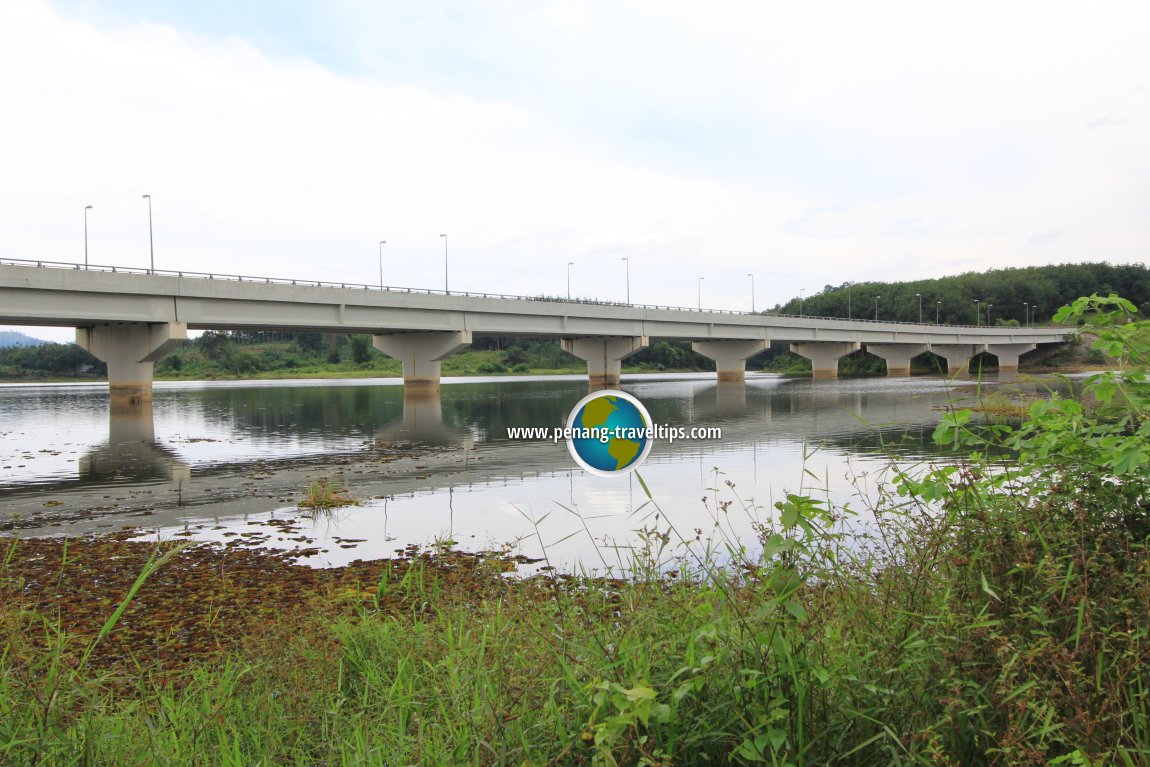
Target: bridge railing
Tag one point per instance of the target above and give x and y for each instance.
(183, 274)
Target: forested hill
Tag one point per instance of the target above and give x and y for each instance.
(14, 338)
(1010, 292)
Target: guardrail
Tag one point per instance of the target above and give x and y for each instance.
(432, 292)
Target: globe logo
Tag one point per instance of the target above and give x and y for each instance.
(609, 433)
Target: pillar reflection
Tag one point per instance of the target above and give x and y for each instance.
(422, 422)
(131, 452)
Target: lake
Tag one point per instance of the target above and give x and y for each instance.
(229, 461)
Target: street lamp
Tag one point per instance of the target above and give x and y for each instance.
(445, 290)
(151, 244)
(919, 297)
(876, 298)
(752, 292)
(801, 301)
(382, 243)
(988, 314)
(1025, 313)
(977, 314)
(627, 262)
(569, 265)
(86, 209)
(848, 300)
(700, 294)
(937, 307)
(1033, 313)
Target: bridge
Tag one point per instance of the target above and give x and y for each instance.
(129, 318)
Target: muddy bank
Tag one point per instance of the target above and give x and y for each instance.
(222, 491)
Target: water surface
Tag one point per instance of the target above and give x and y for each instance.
(208, 446)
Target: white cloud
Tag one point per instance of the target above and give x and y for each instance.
(810, 143)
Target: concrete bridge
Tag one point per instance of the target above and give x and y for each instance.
(130, 318)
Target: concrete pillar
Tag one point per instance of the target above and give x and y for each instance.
(420, 354)
(130, 351)
(957, 356)
(824, 355)
(897, 356)
(730, 356)
(1008, 355)
(604, 356)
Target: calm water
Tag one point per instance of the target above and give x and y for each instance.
(65, 468)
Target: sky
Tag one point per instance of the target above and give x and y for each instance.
(808, 144)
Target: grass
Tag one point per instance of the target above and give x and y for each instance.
(323, 495)
(940, 641)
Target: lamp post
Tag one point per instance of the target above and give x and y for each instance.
(700, 294)
(151, 243)
(988, 306)
(1033, 313)
(937, 307)
(848, 300)
(569, 265)
(977, 314)
(627, 263)
(382, 243)
(86, 209)
(445, 290)
(752, 292)
(801, 301)
(919, 297)
(1025, 313)
(876, 298)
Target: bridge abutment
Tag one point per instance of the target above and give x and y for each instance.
(824, 355)
(130, 351)
(1008, 355)
(604, 356)
(897, 356)
(421, 354)
(730, 356)
(957, 356)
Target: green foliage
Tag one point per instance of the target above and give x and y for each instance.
(1011, 292)
(49, 361)
(361, 348)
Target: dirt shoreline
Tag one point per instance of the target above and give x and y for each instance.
(220, 491)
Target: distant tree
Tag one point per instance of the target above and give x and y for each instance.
(361, 348)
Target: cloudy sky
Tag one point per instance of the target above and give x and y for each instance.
(809, 143)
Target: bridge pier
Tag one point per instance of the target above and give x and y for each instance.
(897, 356)
(130, 351)
(730, 356)
(957, 356)
(420, 355)
(1008, 355)
(824, 355)
(604, 356)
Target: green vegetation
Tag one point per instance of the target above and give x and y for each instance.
(1007, 290)
(993, 611)
(323, 495)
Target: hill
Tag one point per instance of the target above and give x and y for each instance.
(10, 338)
(1037, 291)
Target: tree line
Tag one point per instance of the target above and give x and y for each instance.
(1001, 296)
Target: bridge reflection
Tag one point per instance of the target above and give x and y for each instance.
(131, 452)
